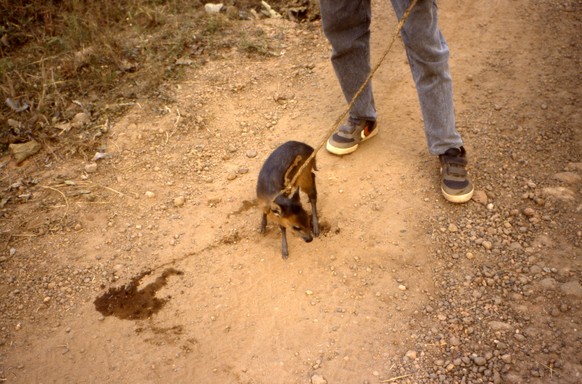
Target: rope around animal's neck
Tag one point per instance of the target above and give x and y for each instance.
(289, 188)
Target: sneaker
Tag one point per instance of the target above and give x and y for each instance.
(346, 139)
(455, 184)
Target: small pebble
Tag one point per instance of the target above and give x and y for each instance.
(480, 361)
(529, 212)
(480, 197)
(318, 379)
(572, 288)
(91, 168)
(213, 8)
(80, 119)
(251, 153)
(519, 337)
(179, 201)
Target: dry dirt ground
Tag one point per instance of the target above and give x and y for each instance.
(149, 267)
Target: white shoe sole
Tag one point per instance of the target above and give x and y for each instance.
(458, 198)
(344, 151)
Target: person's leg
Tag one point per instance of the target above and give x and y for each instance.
(346, 24)
(428, 56)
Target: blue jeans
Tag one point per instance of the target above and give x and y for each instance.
(346, 24)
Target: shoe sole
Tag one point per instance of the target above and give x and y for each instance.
(344, 151)
(458, 198)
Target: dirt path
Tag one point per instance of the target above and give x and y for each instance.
(400, 284)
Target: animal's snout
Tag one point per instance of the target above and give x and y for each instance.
(308, 238)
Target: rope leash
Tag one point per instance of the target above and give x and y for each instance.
(289, 188)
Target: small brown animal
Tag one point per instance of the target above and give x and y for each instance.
(277, 172)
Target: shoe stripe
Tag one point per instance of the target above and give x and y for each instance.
(454, 160)
(338, 138)
(345, 140)
(456, 184)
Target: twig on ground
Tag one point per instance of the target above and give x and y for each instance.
(396, 378)
(49, 149)
(64, 197)
(549, 368)
(178, 117)
(112, 190)
(176, 123)
(45, 59)
(92, 202)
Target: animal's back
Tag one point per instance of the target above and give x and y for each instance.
(272, 175)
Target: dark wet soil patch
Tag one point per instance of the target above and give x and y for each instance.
(246, 205)
(130, 303)
(325, 229)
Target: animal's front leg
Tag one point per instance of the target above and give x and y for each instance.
(313, 201)
(284, 248)
(263, 223)
(314, 219)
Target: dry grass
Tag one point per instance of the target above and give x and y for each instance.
(59, 57)
(62, 57)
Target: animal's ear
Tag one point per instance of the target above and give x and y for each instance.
(276, 209)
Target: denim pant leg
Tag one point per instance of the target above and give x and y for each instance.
(346, 24)
(428, 56)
